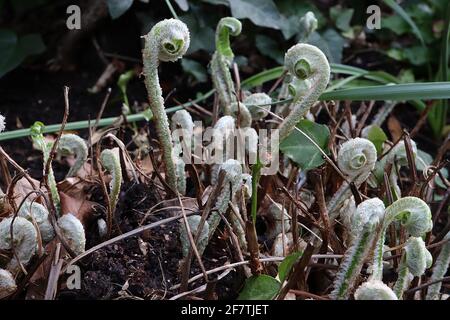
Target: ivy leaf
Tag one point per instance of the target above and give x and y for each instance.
(270, 48)
(195, 69)
(263, 13)
(377, 136)
(301, 150)
(117, 8)
(16, 49)
(262, 287)
(287, 264)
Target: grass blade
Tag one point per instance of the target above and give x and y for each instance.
(396, 92)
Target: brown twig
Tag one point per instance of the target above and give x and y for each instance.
(320, 199)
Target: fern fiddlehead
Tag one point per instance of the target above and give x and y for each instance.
(111, 163)
(168, 40)
(415, 259)
(374, 290)
(305, 62)
(183, 120)
(73, 144)
(37, 136)
(33, 210)
(370, 213)
(439, 270)
(356, 159)
(73, 232)
(24, 240)
(222, 60)
(232, 181)
(414, 214)
(7, 284)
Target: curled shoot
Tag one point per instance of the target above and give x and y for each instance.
(414, 214)
(222, 60)
(71, 144)
(111, 162)
(439, 270)
(32, 210)
(73, 232)
(415, 259)
(374, 290)
(305, 62)
(24, 240)
(370, 213)
(356, 159)
(168, 40)
(37, 136)
(181, 120)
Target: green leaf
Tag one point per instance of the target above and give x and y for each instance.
(195, 69)
(287, 264)
(301, 150)
(377, 136)
(416, 55)
(262, 287)
(396, 24)
(341, 17)
(263, 13)
(117, 8)
(8, 42)
(270, 48)
(402, 13)
(15, 50)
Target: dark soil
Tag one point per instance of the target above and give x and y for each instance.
(148, 265)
